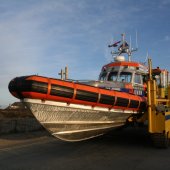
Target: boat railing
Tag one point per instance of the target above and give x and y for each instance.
(81, 81)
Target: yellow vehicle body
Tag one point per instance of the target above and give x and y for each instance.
(158, 111)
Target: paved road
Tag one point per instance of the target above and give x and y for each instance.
(129, 149)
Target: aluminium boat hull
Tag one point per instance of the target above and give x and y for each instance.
(72, 122)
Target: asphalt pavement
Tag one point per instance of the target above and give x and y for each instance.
(127, 149)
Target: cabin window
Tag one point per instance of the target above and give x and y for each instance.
(103, 76)
(138, 79)
(112, 76)
(125, 77)
(144, 78)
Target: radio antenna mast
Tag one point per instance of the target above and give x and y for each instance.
(136, 40)
(124, 47)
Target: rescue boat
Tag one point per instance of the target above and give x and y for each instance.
(78, 110)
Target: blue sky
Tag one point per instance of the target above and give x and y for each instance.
(43, 36)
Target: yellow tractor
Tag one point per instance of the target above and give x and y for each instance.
(158, 113)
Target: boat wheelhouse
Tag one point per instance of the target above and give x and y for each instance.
(125, 76)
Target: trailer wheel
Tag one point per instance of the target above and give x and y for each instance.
(160, 140)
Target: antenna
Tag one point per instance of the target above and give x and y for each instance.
(130, 40)
(147, 56)
(123, 40)
(136, 40)
(136, 48)
(130, 49)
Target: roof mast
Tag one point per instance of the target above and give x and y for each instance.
(123, 48)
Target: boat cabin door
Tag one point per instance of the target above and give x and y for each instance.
(138, 84)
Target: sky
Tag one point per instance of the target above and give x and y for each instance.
(43, 36)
